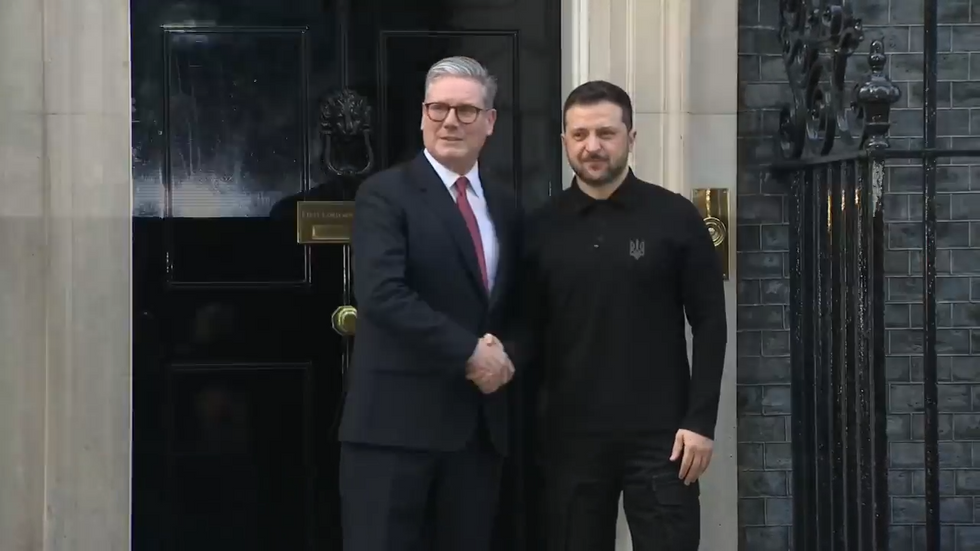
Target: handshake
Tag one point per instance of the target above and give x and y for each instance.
(489, 367)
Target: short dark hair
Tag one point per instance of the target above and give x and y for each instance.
(598, 91)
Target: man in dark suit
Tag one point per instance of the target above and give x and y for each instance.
(425, 426)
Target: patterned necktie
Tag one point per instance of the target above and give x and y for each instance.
(467, 211)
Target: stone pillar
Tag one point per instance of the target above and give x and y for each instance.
(678, 61)
(65, 283)
(22, 272)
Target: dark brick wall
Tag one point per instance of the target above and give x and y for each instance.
(763, 363)
(765, 507)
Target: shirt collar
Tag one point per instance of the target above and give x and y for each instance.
(449, 177)
(577, 201)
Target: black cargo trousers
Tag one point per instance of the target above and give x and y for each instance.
(584, 476)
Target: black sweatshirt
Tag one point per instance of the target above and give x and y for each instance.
(608, 284)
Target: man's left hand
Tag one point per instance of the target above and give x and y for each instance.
(694, 451)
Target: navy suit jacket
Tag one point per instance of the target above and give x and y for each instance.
(422, 307)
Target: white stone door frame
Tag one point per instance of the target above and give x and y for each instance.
(678, 61)
(65, 307)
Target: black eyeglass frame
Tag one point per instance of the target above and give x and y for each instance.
(449, 108)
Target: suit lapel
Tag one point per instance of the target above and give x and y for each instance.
(498, 210)
(437, 197)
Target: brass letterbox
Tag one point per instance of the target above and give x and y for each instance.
(324, 222)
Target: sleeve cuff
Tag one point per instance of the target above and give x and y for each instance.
(700, 427)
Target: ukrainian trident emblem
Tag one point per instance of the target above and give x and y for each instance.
(637, 248)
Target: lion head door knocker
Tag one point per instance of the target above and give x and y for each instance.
(345, 124)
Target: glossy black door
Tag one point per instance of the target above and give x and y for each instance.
(242, 108)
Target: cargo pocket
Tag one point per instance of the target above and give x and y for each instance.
(663, 514)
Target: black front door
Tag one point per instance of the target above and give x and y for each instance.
(243, 109)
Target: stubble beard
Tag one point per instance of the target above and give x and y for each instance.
(616, 169)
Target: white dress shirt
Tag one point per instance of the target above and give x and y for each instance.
(478, 202)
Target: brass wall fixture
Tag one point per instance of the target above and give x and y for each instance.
(714, 206)
(344, 320)
(324, 221)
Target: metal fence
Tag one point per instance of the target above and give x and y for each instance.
(833, 148)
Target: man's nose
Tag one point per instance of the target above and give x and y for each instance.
(451, 118)
(592, 144)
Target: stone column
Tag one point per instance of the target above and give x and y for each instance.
(22, 272)
(678, 61)
(65, 283)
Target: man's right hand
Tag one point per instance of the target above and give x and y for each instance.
(489, 367)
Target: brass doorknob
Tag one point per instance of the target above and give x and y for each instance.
(344, 320)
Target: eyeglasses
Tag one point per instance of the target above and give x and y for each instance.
(438, 112)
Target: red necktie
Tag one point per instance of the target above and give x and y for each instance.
(467, 211)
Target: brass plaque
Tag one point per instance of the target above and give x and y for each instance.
(714, 207)
(324, 222)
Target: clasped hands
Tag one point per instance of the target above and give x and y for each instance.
(490, 368)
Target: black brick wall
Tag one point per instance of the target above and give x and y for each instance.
(763, 362)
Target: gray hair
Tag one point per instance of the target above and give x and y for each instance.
(464, 67)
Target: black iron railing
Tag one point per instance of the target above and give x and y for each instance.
(833, 148)
(832, 145)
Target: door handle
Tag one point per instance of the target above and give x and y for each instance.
(344, 320)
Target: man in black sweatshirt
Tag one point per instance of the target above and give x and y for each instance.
(613, 267)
